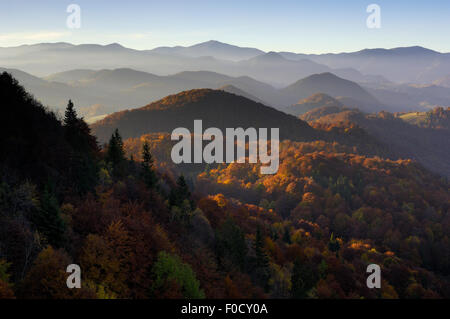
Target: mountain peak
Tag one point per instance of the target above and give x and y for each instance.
(270, 57)
(115, 45)
(413, 50)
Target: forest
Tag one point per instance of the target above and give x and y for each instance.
(142, 227)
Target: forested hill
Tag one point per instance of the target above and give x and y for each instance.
(216, 108)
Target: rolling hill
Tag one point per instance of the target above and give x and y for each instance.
(314, 101)
(234, 90)
(333, 86)
(429, 146)
(216, 108)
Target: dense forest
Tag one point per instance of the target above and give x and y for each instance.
(141, 227)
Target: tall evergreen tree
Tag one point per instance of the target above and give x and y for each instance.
(303, 279)
(333, 244)
(148, 173)
(287, 236)
(180, 193)
(83, 166)
(70, 118)
(261, 260)
(231, 245)
(115, 154)
(48, 220)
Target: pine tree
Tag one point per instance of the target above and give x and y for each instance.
(48, 221)
(148, 173)
(333, 244)
(83, 166)
(230, 244)
(180, 193)
(70, 118)
(115, 154)
(303, 279)
(287, 236)
(261, 260)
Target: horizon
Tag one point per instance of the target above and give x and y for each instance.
(226, 43)
(286, 26)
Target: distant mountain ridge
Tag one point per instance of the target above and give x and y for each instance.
(110, 90)
(212, 56)
(212, 48)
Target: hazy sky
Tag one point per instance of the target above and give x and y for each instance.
(297, 25)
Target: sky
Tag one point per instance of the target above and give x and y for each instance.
(284, 25)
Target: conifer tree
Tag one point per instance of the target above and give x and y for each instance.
(148, 173)
(303, 279)
(48, 221)
(70, 118)
(287, 236)
(333, 244)
(180, 193)
(261, 260)
(115, 154)
(83, 166)
(230, 244)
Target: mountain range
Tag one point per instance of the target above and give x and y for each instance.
(98, 93)
(400, 79)
(413, 64)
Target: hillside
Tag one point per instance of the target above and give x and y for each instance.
(312, 102)
(428, 146)
(215, 107)
(234, 90)
(331, 85)
(438, 117)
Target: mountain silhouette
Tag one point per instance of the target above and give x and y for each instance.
(212, 48)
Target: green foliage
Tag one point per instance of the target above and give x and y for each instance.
(303, 279)
(4, 276)
(231, 245)
(333, 244)
(48, 220)
(70, 117)
(170, 268)
(287, 236)
(180, 193)
(261, 260)
(148, 172)
(116, 155)
(83, 166)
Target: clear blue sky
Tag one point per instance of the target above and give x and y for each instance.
(283, 25)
